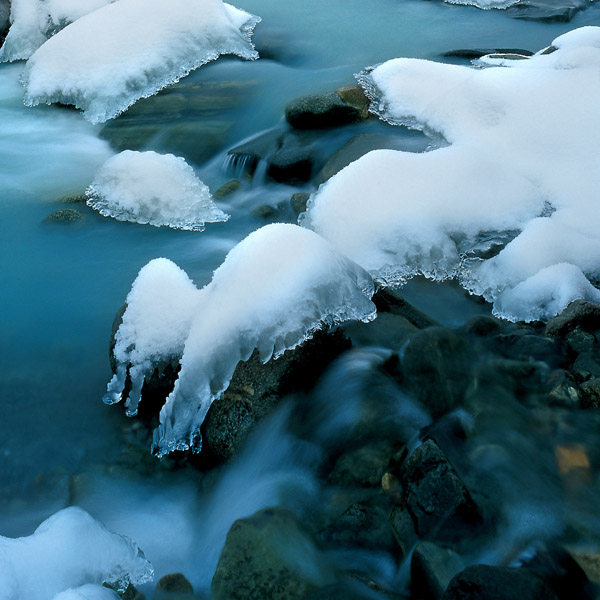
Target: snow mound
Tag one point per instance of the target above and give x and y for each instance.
(514, 193)
(34, 21)
(274, 290)
(88, 591)
(112, 57)
(69, 550)
(155, 189)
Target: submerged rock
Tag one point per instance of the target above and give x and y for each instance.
(269, 555)
(547, 10)
(227, 189)
(432, 568)
(298, 202)
(174, 585)
(65, 216)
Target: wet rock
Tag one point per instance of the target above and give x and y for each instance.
(403, 529)
(387, 330)
(437, 365)
(437, 499)
(548, 11)
(578, 341)
(174, 585)
(483, 582)
(431, 569)
(362, 467)
(589, 393)
(65, 216)
(362, 525)
(298, 202)
(580, 313)
(473, 53)
(269, 555)
(80, 199)
(323, 111)
(353, 590)
(352, 150)
(387, 300)
(533, 347)
(390, 483)
(586, 366)
(483, 326)
(265, 212)
(256, 388)
(561, 389)
(131, 593)
(227, 189)
(589, 560)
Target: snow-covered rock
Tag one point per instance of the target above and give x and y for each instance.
(34, 21)
(514, 193)
(127, 50)
(69, 550)
(274, 290)
(155, 189)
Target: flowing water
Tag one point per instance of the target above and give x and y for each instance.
(61, 285)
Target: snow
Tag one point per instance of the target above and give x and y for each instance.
(485, 4)
(69, 550)
(151, 44)
(155, 189)
(34, 21)
(274, 290)
(513, 190)
(88, 591)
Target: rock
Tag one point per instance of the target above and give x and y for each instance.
(589, 393)
(131, 593)
(65, 216)
(589, 560)
(483, 582)
(352, 150)
(80, 199)
(387, 300)
(435, 496)
(298, 202)
(323, 111)
(586, 366)
(362, 525)
(269, 555)
(256, 388)
(483, 326)
(571, 458)
(175, 584)
(431, 569)
(354, 95)
(227, 189)
(362, 467)
(549, 11)
(473, 53)
(533, 348)
(403, 529)
(265, 212)
(561, 389)
(580, 313)
(437, 368)
(578, 341)
(390, 483)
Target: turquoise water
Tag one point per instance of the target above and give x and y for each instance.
(62, 284)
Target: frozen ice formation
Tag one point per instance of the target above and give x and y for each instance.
(273, 291)
(485, 4)
(69, 550)
(34, 21)
(130, 49)
(155, 189)
(510, 207)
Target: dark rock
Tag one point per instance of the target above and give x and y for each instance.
(352, 150)
(483, 326)
(589, 392)
(578, 341)
(535, 347)
(437, 499)
(403, 529)
(483, 582)
(227, 189)
(362, 525)
(580, 313)
(548, 11)
(322, 111)
(256, 388)
(387, 300)
(298, 202)
(431, 569)
(81, 199)
(437, 366)
(175, 583)
(586, 366)
(561, 389)
(269, 555)
(362, 467)
(387, 330)
(352, 590)
(265, 212)
(65, 216)
(131, 593)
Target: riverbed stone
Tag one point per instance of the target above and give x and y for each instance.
(65, 216)
(298, 202)
(484, 582)
(403, 529)
(322, 111)
(174, 585)
(227, 189)
(432, 567)
(589, 392)
(579, 313)
(586, 366)
(578, 341)
(269, 555)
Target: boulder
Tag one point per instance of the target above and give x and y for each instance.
(589, 393)
(483, 582)
(431, 569)
(269, 555)
(580, 313)
(174, 585)
(549, 11)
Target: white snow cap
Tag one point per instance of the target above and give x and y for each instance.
(108, 59)
(89, 591)
(69, 550)
(273, 291)
(515, 192)
(155, 189)
(485, 4)
(34, 21)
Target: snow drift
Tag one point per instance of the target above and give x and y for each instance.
(509, 207)
(273, 291)
(127, 50)
(155, 189)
